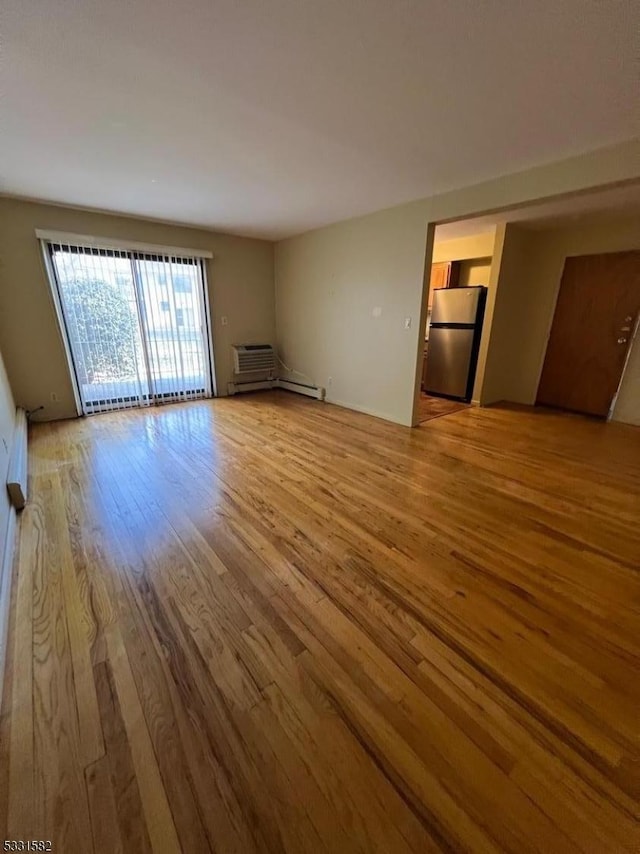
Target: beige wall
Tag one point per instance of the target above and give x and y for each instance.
(479, 395)
(464, 248)
(477, 271)
(329, 280)
(240, 288)
(510, 324)
(7, 422)
(473, 253)
(532, 269)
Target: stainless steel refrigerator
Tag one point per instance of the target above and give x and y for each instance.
(454, 341)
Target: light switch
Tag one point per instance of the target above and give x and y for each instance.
(377, 311)
(407, 323)
(224, 320)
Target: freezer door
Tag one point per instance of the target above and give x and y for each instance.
(455, 305)
(449, 360)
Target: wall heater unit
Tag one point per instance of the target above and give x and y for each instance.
(253, 358)
(261, 358)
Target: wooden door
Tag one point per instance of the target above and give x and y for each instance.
(597, 307)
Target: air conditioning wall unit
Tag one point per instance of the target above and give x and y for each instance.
(251, 358)
(261, 358)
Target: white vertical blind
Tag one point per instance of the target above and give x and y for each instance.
(136, 325)
(174, 322)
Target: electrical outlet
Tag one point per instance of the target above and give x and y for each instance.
(329, 380)
(54, 397)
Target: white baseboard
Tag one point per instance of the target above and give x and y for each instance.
(301, 388)
(17, 472)
(6, 575)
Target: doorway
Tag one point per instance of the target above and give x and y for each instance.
(594, 321)
(135, 325)
(455, 308)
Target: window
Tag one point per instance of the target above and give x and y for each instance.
(182, 284)
(133, 340)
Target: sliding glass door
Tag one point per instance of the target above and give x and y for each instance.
(135, 324)
(172, 319)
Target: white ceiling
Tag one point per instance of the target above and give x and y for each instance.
(269, 117)
(582, 208)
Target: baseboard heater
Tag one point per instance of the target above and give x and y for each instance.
(300, 388)
(17, 472)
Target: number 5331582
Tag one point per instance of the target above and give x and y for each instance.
(27, 845)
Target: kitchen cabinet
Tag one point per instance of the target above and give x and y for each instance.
(443, 275)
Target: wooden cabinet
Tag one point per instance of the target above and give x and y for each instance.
(443, 275)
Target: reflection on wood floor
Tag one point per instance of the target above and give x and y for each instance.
(434, 407)
(268, 624)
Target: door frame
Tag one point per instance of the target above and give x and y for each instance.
(208, 331)
(632, 341)
(62, 324)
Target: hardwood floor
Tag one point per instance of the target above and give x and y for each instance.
(435, 407)
(267, 624)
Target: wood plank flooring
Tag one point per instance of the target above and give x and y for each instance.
(266, 624)
(435, 407)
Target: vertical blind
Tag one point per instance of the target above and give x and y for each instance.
(135, 323)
